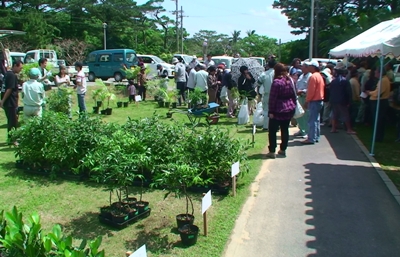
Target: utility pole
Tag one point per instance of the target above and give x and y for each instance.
(176, 12)
(181, 16)
(311, 33)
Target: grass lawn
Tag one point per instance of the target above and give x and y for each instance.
(75, 204)
(387, 153)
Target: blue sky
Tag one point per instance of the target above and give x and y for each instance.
(225, 16)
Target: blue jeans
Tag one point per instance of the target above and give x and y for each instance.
(314, 125)
(81, 103)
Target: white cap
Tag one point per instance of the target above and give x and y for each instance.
(175, 60)
(313, 63)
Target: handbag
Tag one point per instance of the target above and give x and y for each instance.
(298, 111)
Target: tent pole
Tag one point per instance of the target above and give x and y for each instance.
(311, 32)
(377, 107)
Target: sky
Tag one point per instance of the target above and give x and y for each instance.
(225, 16)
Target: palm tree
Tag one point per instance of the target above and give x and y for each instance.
(250, 32)
(235, 36)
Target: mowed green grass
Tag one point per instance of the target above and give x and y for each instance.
(75, 204)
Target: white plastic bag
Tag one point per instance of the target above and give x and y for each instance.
(243, 116)
(258, 117)
(224, 95)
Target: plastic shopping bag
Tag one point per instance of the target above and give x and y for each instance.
(258, 117)
(224, 95)
(243, 117)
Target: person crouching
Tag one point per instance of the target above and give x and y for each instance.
(33, 95)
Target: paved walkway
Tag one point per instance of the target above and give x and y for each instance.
(322, 200)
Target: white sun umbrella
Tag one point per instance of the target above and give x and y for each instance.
(252, 64)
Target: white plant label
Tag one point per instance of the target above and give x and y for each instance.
(138, 98)
(235, 169)
(141, 252)
(206, 202)
(254, 129)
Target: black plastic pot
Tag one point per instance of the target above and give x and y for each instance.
(142, 206)
(130, 201)
(105, 212)
(156, 98)
(169, 114)
(167, 104)
(184, 219)
(119, 218)
(99, 103)
(126, 104)
(108, 111)
(119, 104)
(189, 234)
(96, 110)
(160, 104)
(103, 112)
(174, 105)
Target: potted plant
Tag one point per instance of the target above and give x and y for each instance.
(196, 99)
(169, 114)
(174, 97)
(213, 118)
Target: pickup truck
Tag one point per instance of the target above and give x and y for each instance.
(51, 56)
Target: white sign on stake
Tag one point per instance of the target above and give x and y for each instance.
(141, 252)
(235, 169)
(254, 129)
(206, 202)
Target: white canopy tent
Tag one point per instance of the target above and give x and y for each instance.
(382, 40)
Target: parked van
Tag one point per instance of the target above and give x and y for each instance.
(109, 63)
(17, 56)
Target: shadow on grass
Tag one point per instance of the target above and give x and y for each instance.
(88, 226)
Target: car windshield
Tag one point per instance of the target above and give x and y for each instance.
(131, 57)
(158, 59)
(187, 58)
(228, 62)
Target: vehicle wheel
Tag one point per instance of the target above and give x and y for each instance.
(91, 77)
(117, 77)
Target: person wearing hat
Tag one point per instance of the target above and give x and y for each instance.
(302, 85)
(314, 98)
(33, 95)
(80, 86)
(340, 98)
(180, 79)
(142, 81)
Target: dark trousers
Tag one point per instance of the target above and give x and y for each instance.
(12, 119)
(181, 87)
(380, 128)
(273, 129)
(142, 92)
(131, 98)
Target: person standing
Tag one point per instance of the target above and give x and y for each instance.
(302, 85)
(356, 99)
(246, 86)
(142, 81)
(62, 81)
(180, 78)
(9, 102)
(265, 81)
(80, 86)
(43, 74)
(384, 85)
(192, 74)
(282, 105)
(212, 84)
(200, 79)
(209, 62)
(160, 71)
(33, 95)
(314, 98)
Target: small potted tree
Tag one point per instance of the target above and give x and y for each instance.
(197, 100)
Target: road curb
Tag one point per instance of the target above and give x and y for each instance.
(388, 182)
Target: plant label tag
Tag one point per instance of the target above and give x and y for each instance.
(235, 169)
(254, 129)
(206, 202)
(138, 98)
(141, 252)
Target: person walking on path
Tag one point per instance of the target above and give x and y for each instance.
(282, 104)
(80, 87)
(9, 102)
(302, 85)
(33, 95)
(384, 84)
(265, 81)
(314, 98)
(340, 99)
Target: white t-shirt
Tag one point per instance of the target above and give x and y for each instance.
(200, 80)
(209, 63)
(180, 72)
(62, 81)
(80, 77)
(191, 82)
(265, 80)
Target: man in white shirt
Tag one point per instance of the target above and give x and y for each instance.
(302, 85)
(33, 95)
(265, 81)
(200, 79)
(180, 78)
(209, 62)
(80, 87)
